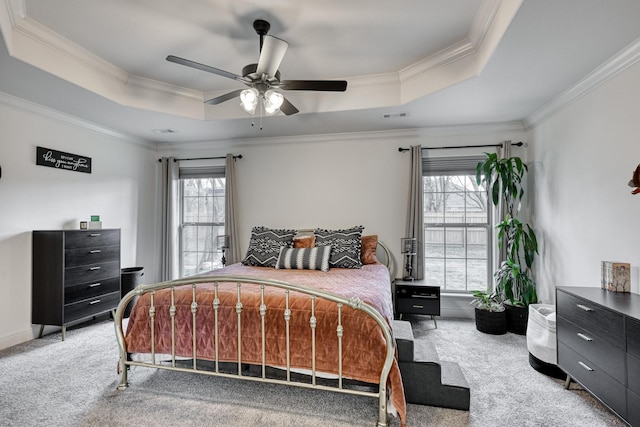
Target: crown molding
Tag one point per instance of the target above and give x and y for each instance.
(48, 113)
(33, 43)
(605, 72)
(393, 136)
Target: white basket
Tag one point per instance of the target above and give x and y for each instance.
(541, 332)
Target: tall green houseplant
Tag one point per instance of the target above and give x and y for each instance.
(504, 180)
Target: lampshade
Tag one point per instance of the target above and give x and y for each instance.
(222, 241)
(409, 245)
(249, 99)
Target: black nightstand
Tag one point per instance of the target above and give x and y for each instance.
(415, 297)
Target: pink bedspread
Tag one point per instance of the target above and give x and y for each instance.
(363, 342)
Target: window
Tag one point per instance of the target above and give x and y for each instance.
(457, 231)
(202, 219)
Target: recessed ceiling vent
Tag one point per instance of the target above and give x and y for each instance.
(163, 131)
(395, 115)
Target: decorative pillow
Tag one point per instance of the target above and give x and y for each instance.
(345, 246)
(304, 258)
(304, 242)
(265, 244)
(369, 249)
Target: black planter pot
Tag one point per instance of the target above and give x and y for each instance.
(517, 318)
(491, 322)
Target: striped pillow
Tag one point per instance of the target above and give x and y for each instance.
(316, 258)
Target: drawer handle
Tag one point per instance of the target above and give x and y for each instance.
(95, 251)
(417, 306)
(95, 235)
(94, 268)
(94, 302)
(583, 307)
(584, 337)
(94, 285)
(585, 366)
(426, 296)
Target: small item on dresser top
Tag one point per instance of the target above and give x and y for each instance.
(83, 225)
(616, 276)
(95, 223)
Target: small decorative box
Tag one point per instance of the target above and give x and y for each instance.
(616, 276)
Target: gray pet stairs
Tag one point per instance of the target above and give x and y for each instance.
(428, 380)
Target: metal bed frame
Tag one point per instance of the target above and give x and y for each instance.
(354, 303)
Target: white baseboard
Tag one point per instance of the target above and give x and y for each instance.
(17, 338)
(456, 305)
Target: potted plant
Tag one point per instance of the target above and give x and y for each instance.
(513, 279)
(490, 313)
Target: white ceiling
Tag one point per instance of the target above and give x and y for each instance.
(440, 62)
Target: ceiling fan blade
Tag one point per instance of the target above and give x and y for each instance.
(220, 99)
(288, 108)
(273, 50)
(318, 85)
(206, 68)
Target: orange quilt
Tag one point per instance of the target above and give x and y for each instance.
(363, 343)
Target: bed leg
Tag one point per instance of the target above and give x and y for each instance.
(122, 370)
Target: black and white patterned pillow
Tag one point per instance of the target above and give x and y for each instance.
(316, 258)
(265, 244)
(345, 246)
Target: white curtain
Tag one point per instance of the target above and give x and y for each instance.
(170, 244)
(415, 217)
(231, 228)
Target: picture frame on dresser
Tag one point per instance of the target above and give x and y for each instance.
(75, 276)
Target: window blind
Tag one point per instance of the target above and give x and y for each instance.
(463, 165)
(201, 172)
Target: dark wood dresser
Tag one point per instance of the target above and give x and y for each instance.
(598, 336)
(75, 275)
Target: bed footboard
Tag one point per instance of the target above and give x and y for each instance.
(261, 291)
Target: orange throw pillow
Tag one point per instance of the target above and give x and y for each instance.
(304, 242)
(369, 249)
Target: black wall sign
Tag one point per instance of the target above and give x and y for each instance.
(62, 160)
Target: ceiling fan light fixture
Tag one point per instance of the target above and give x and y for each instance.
(272, 101)
(249, 99)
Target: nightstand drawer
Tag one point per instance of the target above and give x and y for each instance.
(416, 297)
(610, 359)
(599, 321)
(593, 378)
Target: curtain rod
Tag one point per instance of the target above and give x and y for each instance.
(239, 156)
(517, 144)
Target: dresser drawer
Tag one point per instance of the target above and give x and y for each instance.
(91, 273)
(91, 255)
(89, 238)
(633, 373)
(599, 321)
(90, 290)
(632, 328)
(608, 358)
(633, 408)
(91, 307)
(594, 379)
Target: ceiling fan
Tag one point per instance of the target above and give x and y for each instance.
(263, 78)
